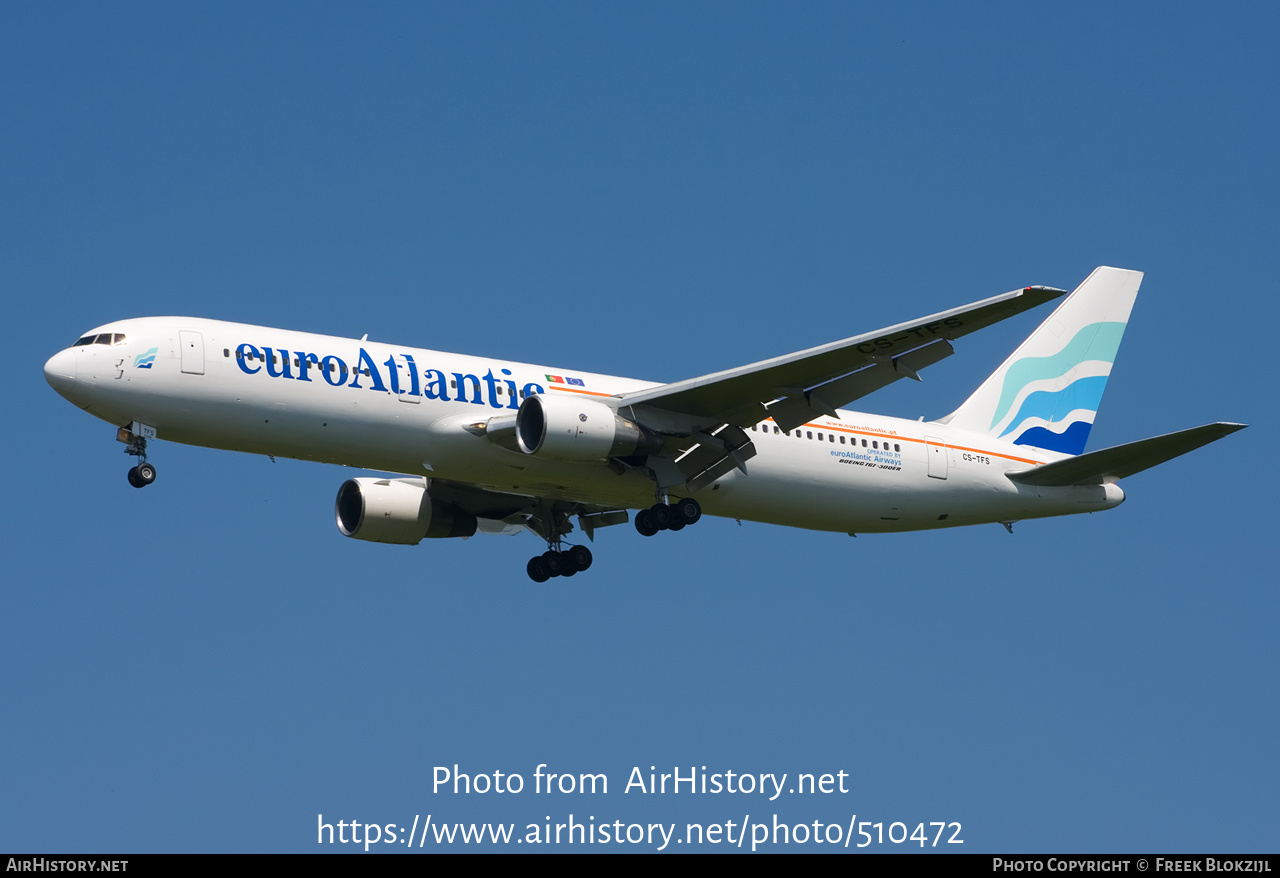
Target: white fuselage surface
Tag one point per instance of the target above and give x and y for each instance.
(403, 410)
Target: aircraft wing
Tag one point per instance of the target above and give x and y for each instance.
(798, 387)
(506, 513)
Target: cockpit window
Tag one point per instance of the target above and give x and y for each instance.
(108, 338)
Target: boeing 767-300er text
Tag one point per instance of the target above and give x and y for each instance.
(486, 445)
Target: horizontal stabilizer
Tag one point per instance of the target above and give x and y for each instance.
(1098, 467)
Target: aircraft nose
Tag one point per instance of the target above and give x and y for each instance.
(60, 371)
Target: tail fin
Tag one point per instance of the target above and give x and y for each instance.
(1047, 393)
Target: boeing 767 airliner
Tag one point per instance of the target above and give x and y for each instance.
(481, 445)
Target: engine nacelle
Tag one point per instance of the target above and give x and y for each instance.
(397, 511)
(572, 428)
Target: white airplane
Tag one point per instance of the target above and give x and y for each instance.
(494, 446)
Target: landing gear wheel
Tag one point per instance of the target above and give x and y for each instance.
(645, 523)
(146, 473)
(661, 513)
(537, 569)
(555, 563)
(134, 480)
(686, 510)
(580, 557)
(675, 525)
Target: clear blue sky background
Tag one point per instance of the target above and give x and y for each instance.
(660, 191)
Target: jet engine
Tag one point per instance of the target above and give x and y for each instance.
(397, 511)
(572, 428)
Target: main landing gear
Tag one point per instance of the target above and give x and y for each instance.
(556, 562)
(144, 473)
(551, 522)
(668, 516)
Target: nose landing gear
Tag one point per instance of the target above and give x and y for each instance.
(142, 475)
(136, 444)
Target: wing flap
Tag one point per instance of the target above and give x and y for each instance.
(1099, 467)
(716, 454)
(800, 406)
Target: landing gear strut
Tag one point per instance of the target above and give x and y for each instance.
(551, 522)
(144, 473)
(668, 516)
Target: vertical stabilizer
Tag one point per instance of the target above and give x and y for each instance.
(1046, 395)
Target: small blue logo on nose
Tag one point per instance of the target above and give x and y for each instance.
(145, 361)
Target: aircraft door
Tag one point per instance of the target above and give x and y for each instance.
(407, 380)
(192, 345)
(937, 452)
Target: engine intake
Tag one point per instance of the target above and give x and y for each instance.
(568, 428)
(398, 511)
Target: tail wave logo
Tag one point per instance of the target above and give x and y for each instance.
(1054, 399)
(146, 360)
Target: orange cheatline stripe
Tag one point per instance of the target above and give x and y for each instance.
(575, 390)
(900, 438)
(995, 454)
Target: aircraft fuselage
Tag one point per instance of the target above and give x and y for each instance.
(404, 410)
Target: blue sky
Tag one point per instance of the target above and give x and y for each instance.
(659, 191)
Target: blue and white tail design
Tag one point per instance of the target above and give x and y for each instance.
(1047, 394)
